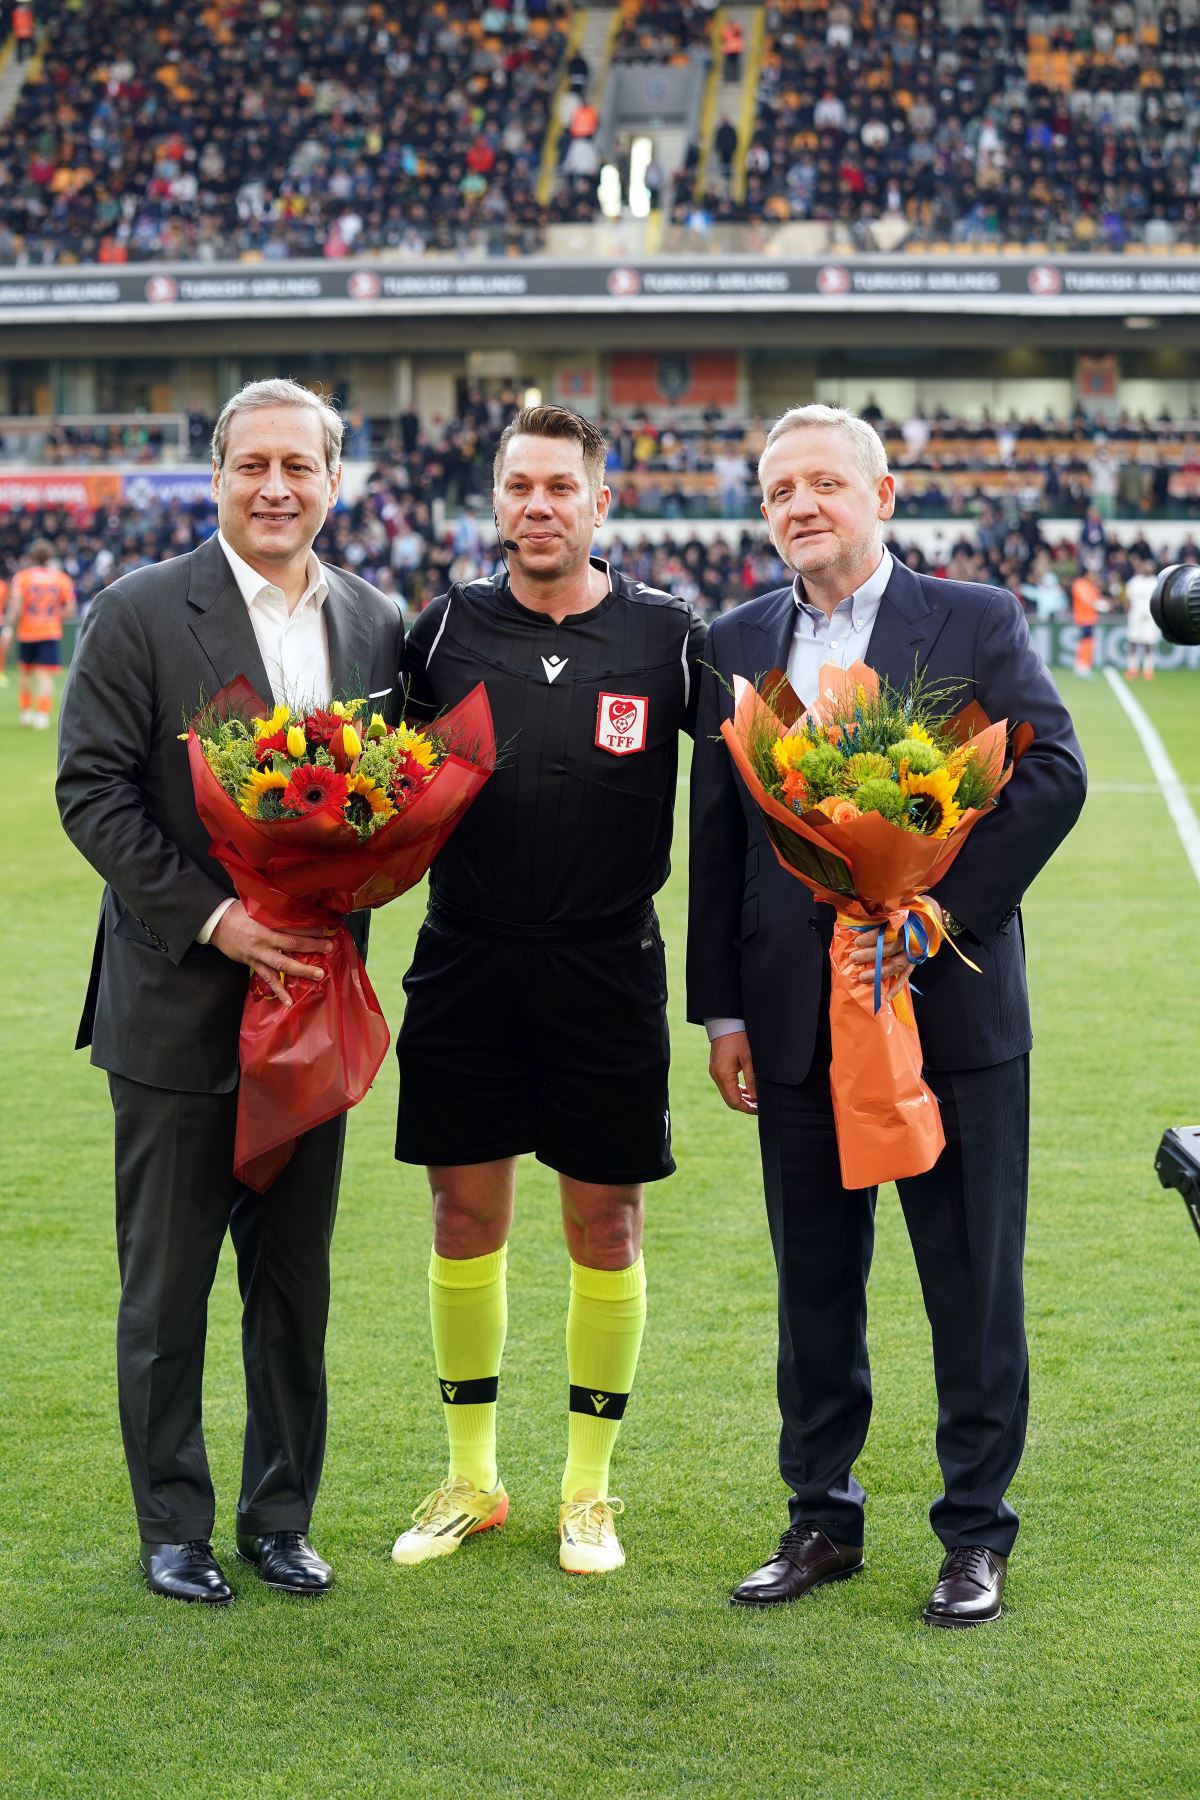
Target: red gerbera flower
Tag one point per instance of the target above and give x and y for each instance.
(313, 787)
(266, 747)
(321, 726)
(409, 773)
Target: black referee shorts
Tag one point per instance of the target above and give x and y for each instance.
(510, 1045)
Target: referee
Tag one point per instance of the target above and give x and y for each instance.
(536, 1016)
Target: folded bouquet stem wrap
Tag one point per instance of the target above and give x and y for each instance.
(874, 874)
(303, 1064)
(887, 1118)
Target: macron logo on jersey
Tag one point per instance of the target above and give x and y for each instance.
(554, 666)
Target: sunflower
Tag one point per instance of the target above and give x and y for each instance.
(366, 802)
(916, 733)
(257, 785)
(932, 802)
(312, 787)
(267, 727)
(416, 745)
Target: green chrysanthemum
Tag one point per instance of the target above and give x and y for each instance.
(866, 766)
(822, 769)
(880, 795)
(922, 759)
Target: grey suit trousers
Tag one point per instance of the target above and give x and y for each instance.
(176, 1198)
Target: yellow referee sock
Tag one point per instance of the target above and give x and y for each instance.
(605, 1321)
(468, 1310)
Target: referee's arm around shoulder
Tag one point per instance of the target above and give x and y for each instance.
(717, 860)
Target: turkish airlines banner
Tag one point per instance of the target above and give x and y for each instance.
(1045, 286)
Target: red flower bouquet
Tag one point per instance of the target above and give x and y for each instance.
(315, 815)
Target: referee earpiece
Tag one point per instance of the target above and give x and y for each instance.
(505, 543)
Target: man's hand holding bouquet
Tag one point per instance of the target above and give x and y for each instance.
(867, 797)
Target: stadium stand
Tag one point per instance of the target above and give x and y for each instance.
(661, 30)
(670, 468)
(181, 129)
(161, 129)
(919, 124)
(389, 536)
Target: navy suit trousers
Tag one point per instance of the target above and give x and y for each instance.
(966, 1222)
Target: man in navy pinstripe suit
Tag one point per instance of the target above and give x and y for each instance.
(758, 979)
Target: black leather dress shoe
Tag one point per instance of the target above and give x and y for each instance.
(185, 1572)
(286, 1559)
(805, 1559)
(969, 1585)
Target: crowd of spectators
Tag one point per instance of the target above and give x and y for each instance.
(704, 467)
(660, 30)
(262, 128)
(214, 129)
(1081, 132)
(389, 536)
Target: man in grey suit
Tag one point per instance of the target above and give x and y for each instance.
(169, 979)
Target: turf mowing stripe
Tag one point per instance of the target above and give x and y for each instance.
(1173, 792)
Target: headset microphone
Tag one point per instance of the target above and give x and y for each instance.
(505, 543)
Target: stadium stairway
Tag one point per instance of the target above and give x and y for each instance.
(13, 75)
(593, 30)
(733, 100)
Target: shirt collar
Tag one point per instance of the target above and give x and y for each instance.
(864, 599)
(253, 585)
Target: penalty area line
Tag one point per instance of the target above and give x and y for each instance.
(1170, 786)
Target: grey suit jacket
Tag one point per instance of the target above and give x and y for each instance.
(162, 1009)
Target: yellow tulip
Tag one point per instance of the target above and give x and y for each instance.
(351, 742)
(376, 729)
(297, 743)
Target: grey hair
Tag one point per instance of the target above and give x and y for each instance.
(869, 452)
(281, 392)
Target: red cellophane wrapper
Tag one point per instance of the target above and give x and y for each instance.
(887, 1120)
(306, 1063)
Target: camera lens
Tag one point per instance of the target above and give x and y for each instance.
(1175, 603)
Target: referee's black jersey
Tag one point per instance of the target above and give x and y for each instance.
(574, 827)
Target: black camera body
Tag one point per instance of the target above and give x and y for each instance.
(1178, 1166)
(1175, 603)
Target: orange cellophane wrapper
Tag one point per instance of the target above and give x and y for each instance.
(887, 1119)
(303, 1064)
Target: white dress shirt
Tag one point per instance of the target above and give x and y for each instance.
(819, 639)
(294, 646)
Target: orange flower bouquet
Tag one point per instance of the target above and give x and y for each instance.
(867, 797)
(315, 813)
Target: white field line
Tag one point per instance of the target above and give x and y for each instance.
(1173, 790)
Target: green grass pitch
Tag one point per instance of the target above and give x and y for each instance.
(491, 1673)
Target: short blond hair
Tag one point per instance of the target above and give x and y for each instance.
(869, 452)
(281, 392)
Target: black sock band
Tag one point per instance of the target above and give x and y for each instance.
(469, 1393)
(598, 1404)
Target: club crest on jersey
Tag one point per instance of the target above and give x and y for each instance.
(621, 723)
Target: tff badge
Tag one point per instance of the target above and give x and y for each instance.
(621, 723)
